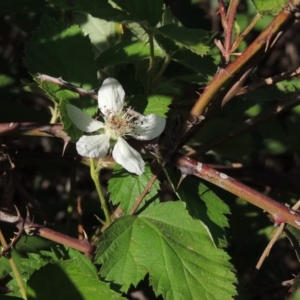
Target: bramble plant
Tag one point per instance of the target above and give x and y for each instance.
(169, 119)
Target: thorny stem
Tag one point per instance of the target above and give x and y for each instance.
(268, 81)
(255, 51)
(33, 228)
(228, 32)
(14, 269)
(279, 212)
(94, 171)
(33, 129)
(67, 85)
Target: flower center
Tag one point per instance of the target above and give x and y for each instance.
(117, 125)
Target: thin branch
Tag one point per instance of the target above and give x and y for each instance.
(33, 228)
(268, 81)
(79, 219)
(249, 124)
(139, 200)
(33, 129)
(14, 269)
(66, 85)
(151, 61)
(267, 250)
(279, 212)
(159, 74)
(245, 32)
(231, 12)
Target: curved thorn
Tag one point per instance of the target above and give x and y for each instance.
(85, 235)
(18, 213)
(27, 214)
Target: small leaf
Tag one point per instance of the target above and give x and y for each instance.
(203, 204)
(125, 188)
(140, 33)
(69, 127)
(143, 10)
(153, 104)
(269, 7)
(158, 105)
(175, 250)
(100, 32)
(195, 40)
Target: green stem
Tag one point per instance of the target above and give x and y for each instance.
(167, 61)
(151, 62)
(55, 114)
(94, 171)
(14, 269)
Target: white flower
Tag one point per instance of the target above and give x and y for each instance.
(118, 123)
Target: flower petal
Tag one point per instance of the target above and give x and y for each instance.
(150, 127)
(81, 120)
(128, 157)
(111, 97)
(93, 145)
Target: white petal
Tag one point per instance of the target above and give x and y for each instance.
(151, 126)
(128, 157)
(93, 145)
(82, 121)
(111, 97)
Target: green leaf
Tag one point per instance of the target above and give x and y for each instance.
(34, 87)
(158, 104)
(75, 278)
(204, 65)
(143, 10)
(153, 104)
(203, 204)
(125, 188)
(175, 250)
(58, 50)
(99, 9)
(269, 7)
(25, 266)
(195, 40)
(141, 34)
(100, 32)
(124, 52)
(69, 127)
